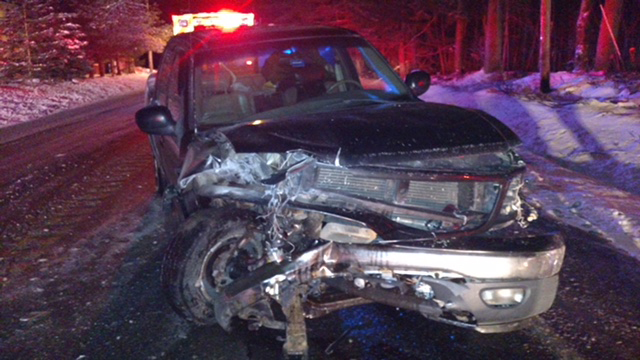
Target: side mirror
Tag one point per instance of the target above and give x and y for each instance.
(418, 81)
(156, 120)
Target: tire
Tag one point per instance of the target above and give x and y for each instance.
(187, 267)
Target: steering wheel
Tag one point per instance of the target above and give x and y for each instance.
(343, 82)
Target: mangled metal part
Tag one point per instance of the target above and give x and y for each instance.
(239, 169)
(273, 179)
(283, 186)
(384, 267)
(296, 340)
(204, 153)
(297, 178)
(281, 182)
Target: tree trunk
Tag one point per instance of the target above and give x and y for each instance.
(150, 61)
(608, 30)
(27, 40)
(493, 37)
(581, 55)
(150, 53)
(461, 32)
(545, 46)
(118, 71)
(505, 39)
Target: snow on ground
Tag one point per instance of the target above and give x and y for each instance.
(589, 124)
(24, 102)
(587, 131)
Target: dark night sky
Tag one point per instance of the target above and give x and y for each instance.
(169, 7)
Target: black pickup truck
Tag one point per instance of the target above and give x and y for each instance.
(311, 178)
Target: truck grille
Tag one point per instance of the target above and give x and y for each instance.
(464, 198)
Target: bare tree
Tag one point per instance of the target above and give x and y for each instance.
(581, 55)
(545, 46)
(611, 16)
(493, 37)
(461, 32)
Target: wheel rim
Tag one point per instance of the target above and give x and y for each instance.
(225, 262)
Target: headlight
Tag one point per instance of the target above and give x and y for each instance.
(512, 201)
(347, 233)
(505, 297)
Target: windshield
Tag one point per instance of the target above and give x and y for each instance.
(271, 79)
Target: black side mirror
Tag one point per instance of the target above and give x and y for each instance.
(156, 120)
(418, 81)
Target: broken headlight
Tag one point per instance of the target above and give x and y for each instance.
(512, 201)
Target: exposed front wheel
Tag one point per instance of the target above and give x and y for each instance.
(212, 249)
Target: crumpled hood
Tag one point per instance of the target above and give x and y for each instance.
(377, 133)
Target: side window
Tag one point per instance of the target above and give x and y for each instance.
(176, 86)
(162, 79)
(368, 77)
(174, 93)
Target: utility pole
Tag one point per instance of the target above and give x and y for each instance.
(150, 53)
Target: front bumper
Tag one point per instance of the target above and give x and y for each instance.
(457, 272)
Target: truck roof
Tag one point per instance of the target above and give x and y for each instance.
(253, 34)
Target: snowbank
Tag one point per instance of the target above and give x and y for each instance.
(589, 124)
(24, 102)
(569, 87)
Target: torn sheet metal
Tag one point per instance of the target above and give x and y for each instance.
(240, 169)
(267, 169)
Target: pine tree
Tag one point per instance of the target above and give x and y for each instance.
(58, 43)
(15, 57)
(42, 42)
(121, 29)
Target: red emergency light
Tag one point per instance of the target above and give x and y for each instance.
(224, 20)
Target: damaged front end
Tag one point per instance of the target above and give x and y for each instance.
(447, 236)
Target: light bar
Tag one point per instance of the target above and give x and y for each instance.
(224, 20)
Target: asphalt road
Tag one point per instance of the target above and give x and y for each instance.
(82, 236)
